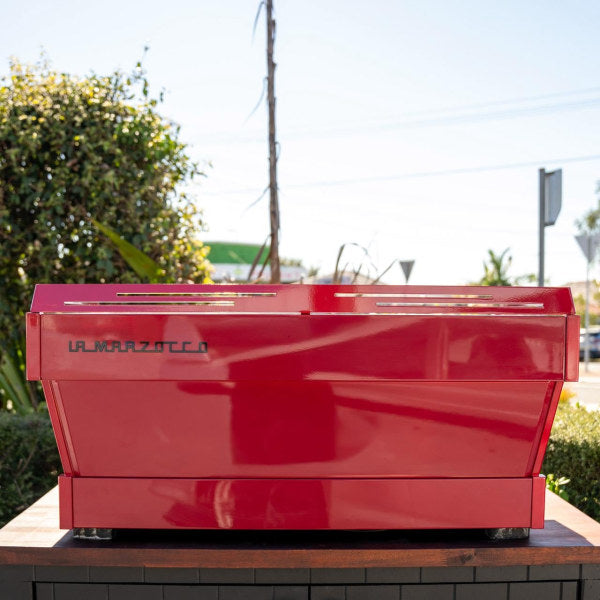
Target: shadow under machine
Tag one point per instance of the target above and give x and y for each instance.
(301, 407)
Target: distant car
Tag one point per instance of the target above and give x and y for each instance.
(594, 344)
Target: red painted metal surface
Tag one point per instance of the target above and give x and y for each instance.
(538, 501)
(308, 429)
(219, 394)
(297, 347)
(59, 425)
(33, 346)
(301, 503)
(65, 501)
(573, 335)
(545, 426)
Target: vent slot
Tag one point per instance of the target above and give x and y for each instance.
(368, 295)
(200, 294)
(432, 314)
(148, 303)
(530, 305)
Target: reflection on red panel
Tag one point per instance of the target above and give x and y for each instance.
(302, 503)
(310, 429)
(292, 347)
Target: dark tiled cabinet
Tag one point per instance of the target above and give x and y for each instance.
(524, 582)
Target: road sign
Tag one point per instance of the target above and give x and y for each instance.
(407, 266)
(553, 196)
(589, 245)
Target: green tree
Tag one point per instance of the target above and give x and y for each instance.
(589, 223)
(495, 271)
(73, 150)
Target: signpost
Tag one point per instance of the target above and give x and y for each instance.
(589, 245)
(550, 204)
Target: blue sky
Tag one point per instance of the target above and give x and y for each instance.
(412, 128)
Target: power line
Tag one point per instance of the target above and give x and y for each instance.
(419, 174)
(461, 171)
(519, 100)
(466, 117)
(436, 117)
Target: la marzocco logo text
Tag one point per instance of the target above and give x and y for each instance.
(142, 347)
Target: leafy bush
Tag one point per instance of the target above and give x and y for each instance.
(574, 452)
(557, 485)
(74, 150)
(29, 462)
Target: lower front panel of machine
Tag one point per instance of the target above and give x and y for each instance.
(301, 504)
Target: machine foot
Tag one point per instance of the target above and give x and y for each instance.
(508, 533)
(93, 534)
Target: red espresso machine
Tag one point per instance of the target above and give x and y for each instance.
(301, 406)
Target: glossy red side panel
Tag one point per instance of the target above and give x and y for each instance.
(65, 498)
(58, 426)
(33, 352)
(572, 353)
(336, 347)
(308, 429)
(538, 502)
(301, 503)
(547, 420)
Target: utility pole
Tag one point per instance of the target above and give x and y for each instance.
(542, 225)
(274, 199)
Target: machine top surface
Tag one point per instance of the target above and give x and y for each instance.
(300, 299)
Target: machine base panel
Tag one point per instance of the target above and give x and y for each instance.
(300, 504)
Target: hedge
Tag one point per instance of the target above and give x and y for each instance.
(574, 452)
(29, 462)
